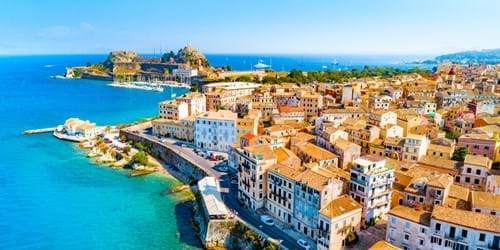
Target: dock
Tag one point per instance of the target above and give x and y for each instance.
(39, 131)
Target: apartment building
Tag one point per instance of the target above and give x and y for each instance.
(311, 103)
(253, 163)
(179, 129)
(337, 220)
(371, 184)
(414, 147)
(197, 102)
(474, 171)
(173, 110)
(215, 130)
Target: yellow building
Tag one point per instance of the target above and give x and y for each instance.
(248, 124)
(178, 129)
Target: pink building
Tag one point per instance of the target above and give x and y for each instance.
(478, 144)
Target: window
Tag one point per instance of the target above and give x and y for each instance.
(464, 233)
(482, 237)
(421, 242)
(469, 170)
(393, 220)
(407, 237)
(407, 225)
(478, 171)
(422, 230)
(437, 227)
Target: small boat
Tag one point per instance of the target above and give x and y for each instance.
(335, 62)
(48, 66)
(324, 67)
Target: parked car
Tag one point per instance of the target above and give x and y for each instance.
(303, 243)
(266, 219)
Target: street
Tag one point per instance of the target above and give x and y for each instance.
(228, 192)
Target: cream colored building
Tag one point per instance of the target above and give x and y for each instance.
(179, 129)
(197, 102)
(253, 163)
(311, 103)
(173, 110)
(336, 220)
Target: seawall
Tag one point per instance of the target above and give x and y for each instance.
(179, 167)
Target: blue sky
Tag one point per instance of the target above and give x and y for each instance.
(277, 26)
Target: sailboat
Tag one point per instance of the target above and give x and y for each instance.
(335, 62)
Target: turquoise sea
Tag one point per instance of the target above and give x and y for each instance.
(53, 197)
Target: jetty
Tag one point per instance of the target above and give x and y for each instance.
(39, 131)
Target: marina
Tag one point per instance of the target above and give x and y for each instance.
(149, 86)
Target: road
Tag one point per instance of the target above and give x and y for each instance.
(251, 218)
(229, 198)
(188, 154)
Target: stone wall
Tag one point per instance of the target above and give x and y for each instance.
(179, 167)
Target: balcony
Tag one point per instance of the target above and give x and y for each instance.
(382, 182)
(359, 181)
(378, 194)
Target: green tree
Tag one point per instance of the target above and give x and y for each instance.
(139, 146)
(460, 153)
(140, 158)
(126, 149)
(244, 78)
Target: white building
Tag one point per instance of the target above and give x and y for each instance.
(215, 130)
(448, 228)
(460, 229)
(414, 147)
(184, 73)
(197, 102)
(408, 228)
(77, 127)
(371, 184)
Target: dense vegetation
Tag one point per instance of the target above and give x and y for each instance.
(298, 76)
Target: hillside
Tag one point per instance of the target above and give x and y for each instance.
(490, 56)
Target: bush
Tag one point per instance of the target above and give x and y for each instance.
(126, 149)
(140, 158)
(139, 146)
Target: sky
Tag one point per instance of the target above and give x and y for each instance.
(409, 27)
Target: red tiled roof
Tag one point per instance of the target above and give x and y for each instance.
(247, 136)
(286, 109)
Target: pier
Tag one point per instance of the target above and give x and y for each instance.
(39, 131)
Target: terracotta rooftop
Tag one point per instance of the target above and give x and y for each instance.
(312, 179)
(484, 222)
(248, 136)
(340, 206)
(383, 245)
(477, 160)
(286, 171)
(289, 109)
(263, 150)
(418, 216)
(437, 162)
(315, 151)
(283, 154)
(485, 200)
